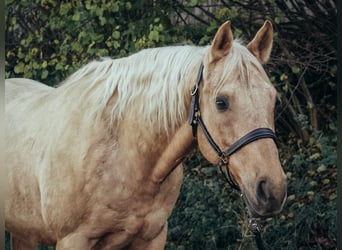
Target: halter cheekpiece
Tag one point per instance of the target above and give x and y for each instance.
(195, 119)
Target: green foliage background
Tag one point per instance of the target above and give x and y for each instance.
(48, 40)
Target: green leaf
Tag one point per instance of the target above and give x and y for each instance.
(283, 77)
(103, 20)
(99, 12)
(64, 8)
(44, 64)
(19, 68)
(45, 74)
(310, 105)
(321, 168)
(154, 35)
(14, 20)
(295, 69)
(76, 17)
(315, 156)
(115, 7)
(75, 46)
(116, 44)
(277, 20)
(35, 65)
(89, 5)
(116, 35)
(193, 3)
(128, 6)
(233, 13)
(332, 197)
(223, 12)
(326, 181)
(286, 87)
(59, 66)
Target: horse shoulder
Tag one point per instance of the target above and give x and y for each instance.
(141, 220)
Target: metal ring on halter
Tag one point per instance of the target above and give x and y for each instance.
(224, 168)
(194, 90)
(256, 230)
(198, 80)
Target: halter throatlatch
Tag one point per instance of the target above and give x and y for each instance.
(195, 119)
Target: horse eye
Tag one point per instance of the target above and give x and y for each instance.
(222, 103)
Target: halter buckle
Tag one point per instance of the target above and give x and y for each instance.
(254, 226)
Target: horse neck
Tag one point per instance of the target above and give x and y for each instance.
(174, 153)
(154, 155)
(158, 150)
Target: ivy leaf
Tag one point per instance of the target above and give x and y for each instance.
(59, 66)
(19, 68)
(44, 64)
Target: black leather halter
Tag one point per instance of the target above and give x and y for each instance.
(195, 119)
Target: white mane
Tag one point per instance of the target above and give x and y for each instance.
(150, 84)
(153, 84)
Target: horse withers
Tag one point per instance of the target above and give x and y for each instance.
(95, 163)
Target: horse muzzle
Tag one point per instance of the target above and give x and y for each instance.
(266, 198)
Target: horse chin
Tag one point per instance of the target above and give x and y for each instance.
(255, 210)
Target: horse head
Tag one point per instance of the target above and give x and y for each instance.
(234, 97)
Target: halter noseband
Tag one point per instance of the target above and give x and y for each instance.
(195, 119)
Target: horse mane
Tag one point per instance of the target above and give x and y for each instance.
(153, 84)
(150, 84)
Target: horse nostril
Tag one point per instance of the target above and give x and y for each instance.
(261, 191)
(269, 196)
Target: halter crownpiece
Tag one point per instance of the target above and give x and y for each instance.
(195, 119)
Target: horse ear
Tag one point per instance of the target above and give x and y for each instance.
(261, 45)
(222, 42)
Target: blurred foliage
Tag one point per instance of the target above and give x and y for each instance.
(47, 40)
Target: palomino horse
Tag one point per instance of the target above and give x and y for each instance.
(96, 162)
